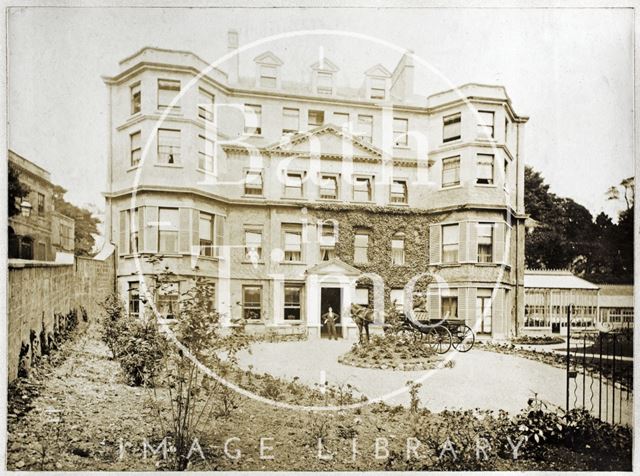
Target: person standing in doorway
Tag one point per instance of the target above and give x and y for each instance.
(329, 319)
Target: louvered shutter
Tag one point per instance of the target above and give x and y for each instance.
(507, 244)
(141, 227)
(433, 296)
(195, 230)
(184, 232)
(463, 247)
(435, 233)
(219, 224)
(471, 317)
(151, 231)
(498, 242)
(498, 323)
(124, 232)
(472, 241)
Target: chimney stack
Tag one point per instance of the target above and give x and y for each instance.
(234, 61)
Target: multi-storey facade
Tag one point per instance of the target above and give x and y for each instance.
(292, 198)
(43, 232)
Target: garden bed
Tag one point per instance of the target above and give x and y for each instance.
(391, 352)
(537, 340)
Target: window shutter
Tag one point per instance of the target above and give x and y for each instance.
(141, 223)
(219, 224)
(507, 244)
(470, 316)
(434, 244)
(195, 230)
(184, 244)
(124, 232)
(472, 241)
(151, 232)
(498, 243)
(463, 246)
(497, 311)
(433, 297)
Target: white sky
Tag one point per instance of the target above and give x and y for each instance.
(570, 70)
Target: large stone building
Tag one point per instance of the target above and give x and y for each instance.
(42, 233)
(293, 198)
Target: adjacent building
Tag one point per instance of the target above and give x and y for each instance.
(292, 198)
(40, 232)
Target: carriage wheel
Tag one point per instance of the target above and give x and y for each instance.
(438, 339)
(463, 338)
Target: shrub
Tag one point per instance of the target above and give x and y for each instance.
(111, 321)
(140, 350)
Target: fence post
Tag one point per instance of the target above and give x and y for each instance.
(568, 353)
(600, 334)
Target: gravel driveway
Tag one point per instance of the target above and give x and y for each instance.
(478, 379)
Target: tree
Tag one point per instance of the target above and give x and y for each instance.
(16, 189)
(86, 225)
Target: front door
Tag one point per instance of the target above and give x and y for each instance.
(331, 298)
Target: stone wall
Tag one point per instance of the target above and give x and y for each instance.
(40, 290)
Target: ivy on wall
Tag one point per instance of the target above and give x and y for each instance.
(382, 224)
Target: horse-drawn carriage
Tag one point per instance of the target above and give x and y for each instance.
(438, 334)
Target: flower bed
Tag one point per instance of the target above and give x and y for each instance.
(537, 340)
(392, 352)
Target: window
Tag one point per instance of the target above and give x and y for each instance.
(451, 172)
(397, 249)
(378, 88)
(252, 302)
(485, 242)
(206, 102)
(290, 120)
(451, 127)
(292, 295)
(329, 187)
(167, 91)
(483, 311)
(396, 296)
(268, 76)
(341, 119)
(292, 238)
(135, 140)
(506, 130)
(168, 146)
(361, 247)
(253, 182)
(400, 132)
(206, 234)
(40, 204)
(365, 127)
(136, 98)
(253, 245)
(450, 240)
(206, 154)
(252, 119)
(362, 190)
(315, 118)
(485, 124)
(327, 240)
(324, 83)
(168, 227)
(133, 230)
(293, 185)
(506, 173)
(485, 169)
(362, 296)
(399, 191)
(167, 299)
(449, 306)
(134, 298)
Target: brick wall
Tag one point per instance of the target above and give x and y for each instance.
(39, 290)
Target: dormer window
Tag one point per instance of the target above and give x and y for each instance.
(324, 83)
(268, 76)
(267, 70)
(378, 88)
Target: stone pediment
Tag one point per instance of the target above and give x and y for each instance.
(334, 267)
(327, 140)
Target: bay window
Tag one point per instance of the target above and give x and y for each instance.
(450, 243)
(168, 226)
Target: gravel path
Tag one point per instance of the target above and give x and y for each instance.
(478, 379)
